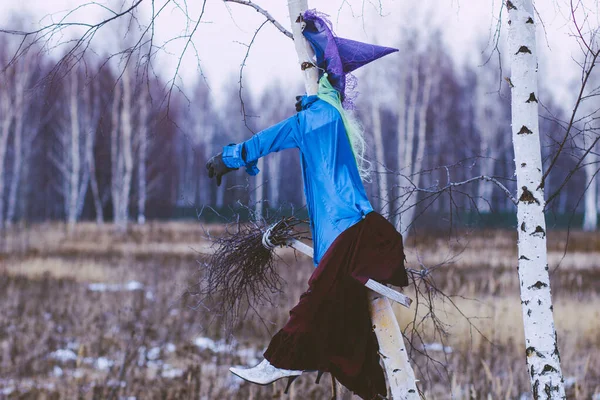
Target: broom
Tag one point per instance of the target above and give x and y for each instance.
(241, 274)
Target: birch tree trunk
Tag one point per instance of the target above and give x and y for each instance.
(115, 156)
(542, 352)
(303, 48)
(75, 160)
(21, 81)
(414, 135)
(6, 116)
(142, 154)
(259, 191)
(590, 215)
(89, 150)
(126, 152)
(274, 167)
(384, 201)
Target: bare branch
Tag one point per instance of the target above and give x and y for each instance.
(264, 12)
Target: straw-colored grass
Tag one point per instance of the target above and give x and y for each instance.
(48, 305)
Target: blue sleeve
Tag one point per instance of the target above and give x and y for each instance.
(277, 137)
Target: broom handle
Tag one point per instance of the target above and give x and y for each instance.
(371, 284)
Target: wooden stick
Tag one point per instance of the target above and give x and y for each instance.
(371, 284)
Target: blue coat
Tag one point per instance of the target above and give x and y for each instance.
(335, 196)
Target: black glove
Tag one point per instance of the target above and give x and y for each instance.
(217, 168)
(299, 103)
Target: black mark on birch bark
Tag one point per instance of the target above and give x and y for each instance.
(306, 65)
(538, 285)
(548, 368)
(531, 351)
(539, 231)
(510, 5)
(549, 389)
(527, 196)
(523, 258)
(529, 312)
(532, 98)
(523, 227)
(524, 131)
(523, 165)
(539, 302)
(536, 389)
(523, 49)
(529, 20)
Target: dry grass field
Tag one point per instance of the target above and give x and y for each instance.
(99, 315)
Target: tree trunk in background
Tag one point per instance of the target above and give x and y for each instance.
(115, 155)
(590, 215)
(274, 169)
(75, 160)
(380, 169)
(412, 161)
(126, 151)
(542, 353)
(142, 153)
(259, 190)
(6, 116)
(89, 150)
(21, 82)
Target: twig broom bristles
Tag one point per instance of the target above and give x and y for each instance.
(241, 274)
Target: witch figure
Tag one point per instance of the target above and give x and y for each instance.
(329, 330)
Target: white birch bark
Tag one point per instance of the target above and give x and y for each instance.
(412, 161)
(487, 120)
(115, 157)
(21, 81)
(274, 167)
(142, 139)
(590, 214)
(382, 176)
(259, 191)
(74, 156)
(303, 48)
(126, 152)
(94, 112)
(540, 336)
(6, 117)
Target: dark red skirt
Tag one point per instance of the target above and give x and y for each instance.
(330, 328)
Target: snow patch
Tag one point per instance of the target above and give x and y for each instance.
(170, 348)
(437, 347)
(103, 364)
(153, 353)
(170, 372)
(57, 371)
(249, 355)
(116, 287)
(64, 355)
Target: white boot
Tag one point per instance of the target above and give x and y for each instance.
(265, 373)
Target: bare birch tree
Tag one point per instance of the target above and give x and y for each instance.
(142, 151)
(542, 352)
(411, 129)
(21, 82)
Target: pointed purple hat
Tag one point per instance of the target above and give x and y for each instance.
(338, 56)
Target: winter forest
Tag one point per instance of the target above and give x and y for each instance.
(110, 226)
(92, 141)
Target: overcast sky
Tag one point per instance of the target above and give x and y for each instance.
(222, 37)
